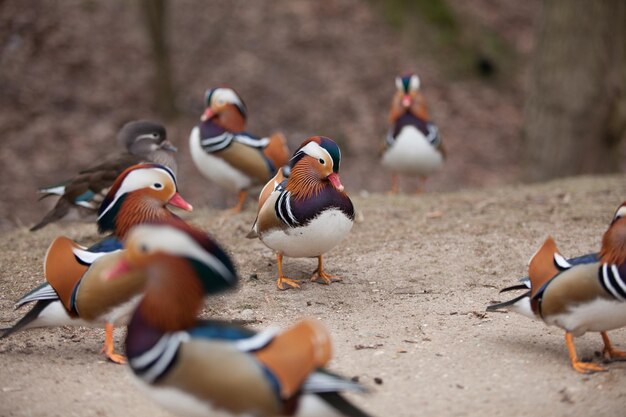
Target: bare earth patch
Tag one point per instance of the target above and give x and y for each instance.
(410, 313)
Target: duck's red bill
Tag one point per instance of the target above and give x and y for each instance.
(178, 201)
(335, 181)
(208, 113)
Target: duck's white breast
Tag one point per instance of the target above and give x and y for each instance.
(412, 154)
(215, 168)
(322, 234)
(598, 315)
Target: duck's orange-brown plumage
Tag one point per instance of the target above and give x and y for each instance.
(277, 151)
(172, 304)
(295, 353)
(62, 270)
(541, 267)
(304, 180)
(613, 249)
(418, 106)
(137, 209)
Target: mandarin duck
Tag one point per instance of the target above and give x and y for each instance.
(74, 293)
(307, 214)
(227, 155)
(413, 145)
(143, 141)
(198, 367)
(588, 297)
(521, 303)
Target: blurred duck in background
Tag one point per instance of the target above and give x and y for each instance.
(227, 155)
(413, 146)
(80, 196)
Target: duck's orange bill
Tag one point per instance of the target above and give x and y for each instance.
(178, 201)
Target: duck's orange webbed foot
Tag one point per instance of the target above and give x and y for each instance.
(319, 274)
(108, 348)
(324, 278)
(290, 283)
(614, 354)
(283, 280)
(587, 367)
(609, 352)
(582, 367)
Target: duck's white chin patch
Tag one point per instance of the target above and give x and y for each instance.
(316, 238)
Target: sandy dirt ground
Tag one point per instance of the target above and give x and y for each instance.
(410, 313)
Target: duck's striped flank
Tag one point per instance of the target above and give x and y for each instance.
(154, 363)
(222, 141)
(433, 134)
(283, 209)
(612, 281)
(217, 143)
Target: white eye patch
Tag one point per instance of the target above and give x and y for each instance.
(399, 85)
(141, 178)
(226, 95)
(316, 151)
(414, 84)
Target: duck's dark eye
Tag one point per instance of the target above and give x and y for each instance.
(155, 135)
(322, 161)
(157, 185)
(143, 248)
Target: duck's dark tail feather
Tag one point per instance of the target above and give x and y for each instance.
(27, 319)
(514, 287)
(345, 407)
(504, 304)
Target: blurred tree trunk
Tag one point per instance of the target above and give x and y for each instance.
(155, 16)
(576, 108)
